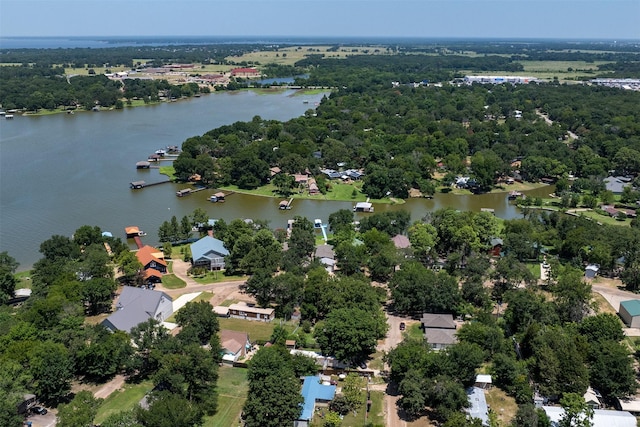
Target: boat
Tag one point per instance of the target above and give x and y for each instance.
(161, 152)
(8, 116)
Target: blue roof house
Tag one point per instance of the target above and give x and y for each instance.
(208, 252)
(313, 393)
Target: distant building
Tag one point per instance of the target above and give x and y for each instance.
(591, 271)
(247, 73)
(616, 184)
(500, 79)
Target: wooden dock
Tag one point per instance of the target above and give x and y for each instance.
(284, 205)
(138, 185)
(138, 242)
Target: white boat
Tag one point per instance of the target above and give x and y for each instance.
(8, 116)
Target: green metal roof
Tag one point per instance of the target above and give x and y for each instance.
(632, 307)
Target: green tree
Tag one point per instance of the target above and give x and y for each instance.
(413, 391)
(80, 412)
(197, 319)
(284, 183)
(273, 398)
(611, 369)
(341, 220)
(601, 327)
(424, 239)
(351, 334)
(352, 391)
(576, 411)
(121, 419)
(51, 367)
(332, 419)
(169, 410)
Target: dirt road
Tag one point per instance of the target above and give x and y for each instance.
(393, 338)
(221, 290)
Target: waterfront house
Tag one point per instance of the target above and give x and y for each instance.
(151, 258)
(616, 184)
(208, 252)
(137, 305)
(245, 311)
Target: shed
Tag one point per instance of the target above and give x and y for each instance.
(630, 313)
(591, 271)
(483, 381)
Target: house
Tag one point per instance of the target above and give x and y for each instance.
(601, 417)
(478, 407)
(274, 171)
(301, 179)
(616, 184)
(325, 251)
(313, 187)
(151, 258)
(233, 345)
(137, 305)
(400, 241)
(591, 271)
(249, 312)
(221, 311)
(315, 394)
(630, 313)
(496, 246)
(439, 330)
(613, 212)
(208, 252)
(592, 398)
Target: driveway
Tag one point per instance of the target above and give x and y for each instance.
(48, 420)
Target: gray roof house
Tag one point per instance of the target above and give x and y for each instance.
(137, 305)
(439, 330)
(616, 184)
(209, 252)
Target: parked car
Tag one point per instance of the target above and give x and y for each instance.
(362, 365)
(402, 326)
(39, 410)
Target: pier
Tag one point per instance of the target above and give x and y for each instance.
(137, 185)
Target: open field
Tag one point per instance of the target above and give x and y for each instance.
(504, 406)
(171, 281)
(291, 54)
(123, 400)
(375, 416)
(218, 276)
(232, 393)
(258, 331)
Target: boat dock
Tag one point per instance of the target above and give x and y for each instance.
(187, 191)
(138, 242)
(285, 205)
(137, 185)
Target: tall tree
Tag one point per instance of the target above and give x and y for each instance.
(80, 412)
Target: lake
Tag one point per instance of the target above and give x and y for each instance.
(59, 172)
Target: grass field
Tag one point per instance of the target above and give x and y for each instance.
(217, 276)
(375, 416)
(232, 393)
(123, 400)
(169, 171)
(258, 331)
(504, 406)
(171, 281)
(292, 54)
(534, 268)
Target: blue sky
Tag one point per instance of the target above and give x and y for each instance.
(570, 19)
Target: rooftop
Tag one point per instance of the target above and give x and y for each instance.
(632, 306)
(312, 390)
(601, 417)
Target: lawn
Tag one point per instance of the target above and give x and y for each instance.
(24, 279)
(415, 331)
(171, 281)
(258, 331)
(218, 276)
(603, 304)
(375, 415)
(168, 171)
(504, 406)
(534, 268)
(232, 393)
(605, 219)
(123, 400)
